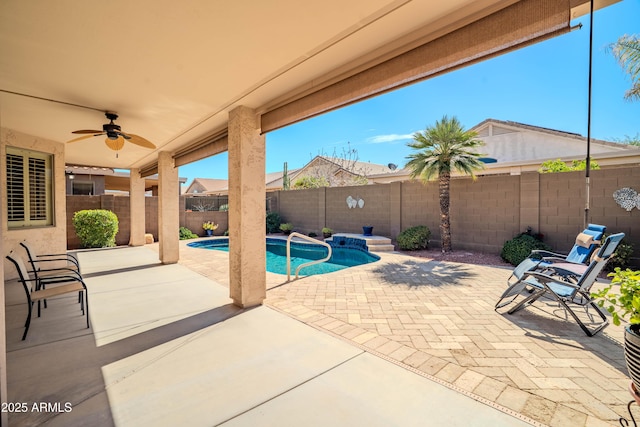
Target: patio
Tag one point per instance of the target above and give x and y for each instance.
(437, 348)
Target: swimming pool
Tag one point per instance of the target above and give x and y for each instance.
(300, 253)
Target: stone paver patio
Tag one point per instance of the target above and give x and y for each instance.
(437, 319)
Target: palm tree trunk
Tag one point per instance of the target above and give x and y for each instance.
(445, 225)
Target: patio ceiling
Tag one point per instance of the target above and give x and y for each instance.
(173, 70)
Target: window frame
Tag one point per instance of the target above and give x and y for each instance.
(36, 199)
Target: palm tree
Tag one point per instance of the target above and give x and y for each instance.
(440, 149)
(627, 52)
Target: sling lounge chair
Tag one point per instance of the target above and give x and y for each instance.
(35, 288)
(574, 263)
(534, 284)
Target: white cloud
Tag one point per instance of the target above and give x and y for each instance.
(394, 137)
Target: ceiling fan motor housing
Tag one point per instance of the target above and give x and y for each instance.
(111, 129)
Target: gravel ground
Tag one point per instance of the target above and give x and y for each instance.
(466, 257)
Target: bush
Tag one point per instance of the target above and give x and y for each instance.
(286, 227)
(273, 222)
(517, 249)
(414, 238)
(185, 234)
(96, 228)
(621, 257)
(223, 208)
(312, 234)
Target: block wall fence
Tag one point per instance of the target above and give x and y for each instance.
(484, 213)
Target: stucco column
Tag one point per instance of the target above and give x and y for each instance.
(168, 215)
(247, 249)
(4, 417)
(136, 208)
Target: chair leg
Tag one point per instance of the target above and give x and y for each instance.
(527, 301)
(28, 322)
(86, 296)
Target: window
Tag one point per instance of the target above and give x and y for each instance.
(29, 188)
(82, 188)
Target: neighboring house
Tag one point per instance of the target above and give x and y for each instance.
(512, 148)
(207, 186)
(95, 181)
(338, 172)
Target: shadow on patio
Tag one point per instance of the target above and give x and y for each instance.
(166, 347)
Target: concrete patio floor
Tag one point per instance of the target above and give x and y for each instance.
(167, 347)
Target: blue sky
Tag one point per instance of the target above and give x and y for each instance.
(542, 85)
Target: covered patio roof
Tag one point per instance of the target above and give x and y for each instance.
(172, 71)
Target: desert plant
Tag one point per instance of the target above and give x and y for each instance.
(96, 228)
(224, 208)
(439, 150)
(286, 228)
(185, 234)
(327, 232)
(517, 249)
(414, 238)
(273, 222)
(625, 302)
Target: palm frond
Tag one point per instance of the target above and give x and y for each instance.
(627, 52)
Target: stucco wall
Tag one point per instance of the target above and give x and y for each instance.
(46, 239)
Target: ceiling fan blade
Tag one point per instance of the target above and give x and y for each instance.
(138, 140)
(115, 144)
(85, 137)
(86, 131)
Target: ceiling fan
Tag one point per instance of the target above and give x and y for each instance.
(115, 137)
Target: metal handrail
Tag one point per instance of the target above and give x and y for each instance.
(306, 264)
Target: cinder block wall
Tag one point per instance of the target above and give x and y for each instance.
(118, 205)
(303, 208)
(375, 211)
(484, 213)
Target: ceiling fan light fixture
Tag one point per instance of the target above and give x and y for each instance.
(115, 144)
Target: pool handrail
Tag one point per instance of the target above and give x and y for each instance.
(306, 264)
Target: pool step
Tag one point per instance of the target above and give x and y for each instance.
(375, 243)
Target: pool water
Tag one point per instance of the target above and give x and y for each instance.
(301, 253)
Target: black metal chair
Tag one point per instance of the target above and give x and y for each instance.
(36, 288)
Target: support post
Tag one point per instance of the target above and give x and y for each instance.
(136, 208)
(168, 217)
(247, 210)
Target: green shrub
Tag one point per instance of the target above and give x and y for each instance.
(621, 257)
(185, 234)
(287, 226)
(96, 228)
(224, 208)
(517, 249)
(414, 238)
(312, 234)
(273, 222)
(226, 233)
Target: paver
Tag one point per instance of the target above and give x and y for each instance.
(438, 318)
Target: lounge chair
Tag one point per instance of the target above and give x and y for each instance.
(586, 243)
(568, 292)
(35, 288)
(575, 261)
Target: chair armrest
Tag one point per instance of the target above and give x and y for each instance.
(61, 279)
(61, 257)
(545, 279)
(544, 253)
